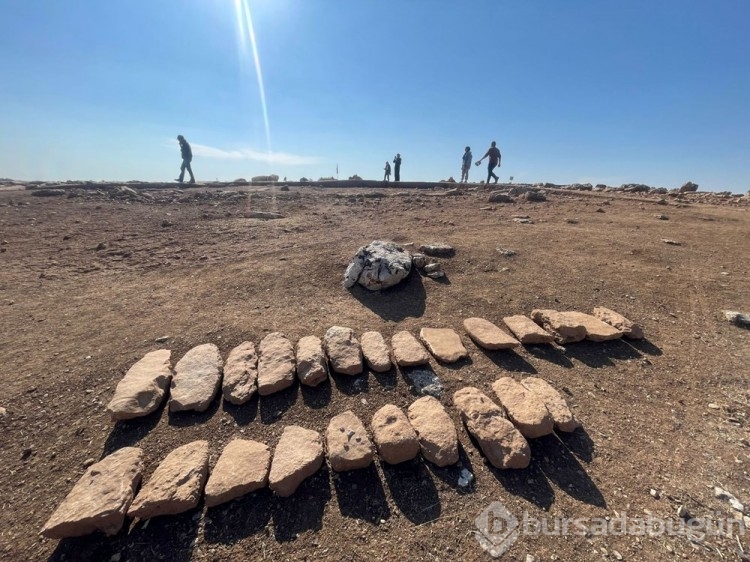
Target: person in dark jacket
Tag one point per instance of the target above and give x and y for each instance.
(187, 157)
(494, 155)
(397, 168)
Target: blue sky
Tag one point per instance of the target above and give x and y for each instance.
(646, 91)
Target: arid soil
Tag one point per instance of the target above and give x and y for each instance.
(88, 283)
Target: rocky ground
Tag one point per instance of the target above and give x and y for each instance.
(94, 274)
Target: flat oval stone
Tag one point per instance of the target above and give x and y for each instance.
(485, 334)
(196, 379)
(240, 374)
(555, 403)
(349, 447)
(176, 484)
(407, 351)
(242, 468)
(343, 350)
(394, 436)
(565, 329)
(527, 331)
(629, 329)
(298, 456)
(437, 435)
(275, 364)
(375, 351)
(445, 344)
(143, 387)
(501, 443)
(524, 408)
(100, 499)
(312, 368)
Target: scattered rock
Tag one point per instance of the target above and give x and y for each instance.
(572, 221)
(88, 462)
(523, 221)
(740, 319)
(527, 331)
(671, 242)
(524, 408)
(176, 484)
(424, 380)
(734, 503)
(394, 436)
(683, 513)
(419, 260)
(349, 447)
(437, 435)
(501, 443)
(555, 403)
(100, 499)
(240, 374)
(47, 192)
(275, 364)
(161, 339)
(662, 217)
(263, 215)
(312, 368)
(143, 387)
(485, 334)
(196, 379)
(534, 195)
(343, 350)
(298, 456)
(500, 197)
(407, 351)
(438, 250)
(629, 329)
(376, 352)
(465, 478)
(445, 344)
(242, 468)
(508, 253)
(378, 265)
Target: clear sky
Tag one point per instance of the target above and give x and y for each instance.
(600, 91)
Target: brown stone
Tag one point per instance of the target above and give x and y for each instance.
(555, 403)
(445, 344)
(394, 436)
(375, 351)
(629, 329)
(565, 329)
(343, 350)
(438, 439)
(524, 408)
(298, 456)
(275, 364)
(143, 387)
(349, 447)
(526, 330)
(501, 443)
(176, 484)
(196, 379)
(312, 368)
(407, 351)
(240, 374)
(100, 499)
(485, 334)
(242, 468)
(596, 330)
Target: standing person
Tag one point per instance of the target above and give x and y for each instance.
(494, 154)
(466, 165)
(387, 169)
(397, 168)
(187, 157)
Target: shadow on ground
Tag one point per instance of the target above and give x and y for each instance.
(360, 494)
(413, 490)
(405, 300)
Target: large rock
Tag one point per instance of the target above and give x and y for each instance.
(527, 332)
(378, 265)
(298, 456)
(500, 197)
(555, 403)
(596, 330)
(688, 187)
(572, 326)
(343, 350)
(394, 436)
(407, 351)
(524, 408)
(275, 364)
(196, 379)
(629, 329)
(143, 387)
(176, 484)
(349, 448)
(376, 352)
(501, 443)
(240, 374)
(242, 468)
(438, 439)
(485, 334)
(312, 368)
(445, 344)
(100, 499)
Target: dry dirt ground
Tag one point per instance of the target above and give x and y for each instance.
(88, 284)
